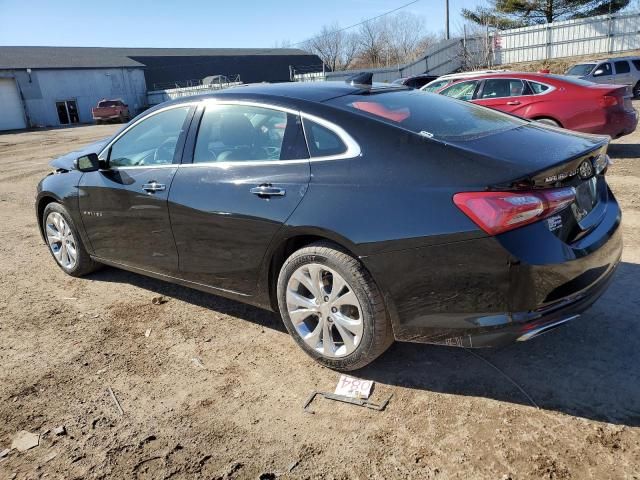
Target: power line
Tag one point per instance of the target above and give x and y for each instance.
(359, 23)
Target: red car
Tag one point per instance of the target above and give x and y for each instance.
(566, 102)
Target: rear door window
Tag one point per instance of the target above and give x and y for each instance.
(461, 90)
(246, 133)
(502, 87)
(636, 63)
(622, 66)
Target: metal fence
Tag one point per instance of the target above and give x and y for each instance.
(155, 97)
(604, 34)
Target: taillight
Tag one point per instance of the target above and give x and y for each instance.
(609, 101)
(497, 212)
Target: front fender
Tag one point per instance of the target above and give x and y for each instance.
(63, 189)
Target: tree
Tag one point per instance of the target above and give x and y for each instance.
(335, 47)
(521, 13)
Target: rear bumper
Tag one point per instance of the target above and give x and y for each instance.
(620, 123)
(495, 290)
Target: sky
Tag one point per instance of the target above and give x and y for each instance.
(197, 23)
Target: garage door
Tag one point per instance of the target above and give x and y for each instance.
(11, 113)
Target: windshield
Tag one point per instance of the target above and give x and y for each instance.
(108, 103)
(429, 114)
(435, 85)
(581, 69)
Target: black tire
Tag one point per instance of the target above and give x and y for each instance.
(377, 333)
(636, 90)
(84, 264)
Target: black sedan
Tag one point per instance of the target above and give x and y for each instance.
(361, 213)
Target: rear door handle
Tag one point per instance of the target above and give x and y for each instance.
(153, 187)
(268, 191)
(515, 102)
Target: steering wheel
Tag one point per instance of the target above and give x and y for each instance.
(164, 153)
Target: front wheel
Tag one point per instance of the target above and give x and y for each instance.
(332, 307)
(636, 90)
(65, 243)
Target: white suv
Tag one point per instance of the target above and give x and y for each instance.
(621, 71)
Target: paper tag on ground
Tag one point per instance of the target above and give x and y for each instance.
(353, 387)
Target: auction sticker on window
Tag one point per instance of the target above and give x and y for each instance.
(353, 387)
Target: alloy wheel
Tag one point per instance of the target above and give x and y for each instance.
(61, 240)
(324, 310)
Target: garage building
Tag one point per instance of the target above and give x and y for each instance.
(52, 86)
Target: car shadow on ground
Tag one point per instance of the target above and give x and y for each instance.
(588, 368)
(624, 150)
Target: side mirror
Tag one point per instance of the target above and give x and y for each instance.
(88, 163)
(598, 72)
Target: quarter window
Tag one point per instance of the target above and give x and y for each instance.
(322, 141)
(622, 66)
(602, 70)
(538, 87)
(153, 141)
(461, 90)
(503, 87)
(247, 133)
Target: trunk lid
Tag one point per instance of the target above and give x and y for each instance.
(551, 158)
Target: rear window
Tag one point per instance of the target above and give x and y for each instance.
(575, 81)
(581, 69)
(108, 103)
(430, 114)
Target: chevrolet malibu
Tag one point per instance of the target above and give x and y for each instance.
(360, 213)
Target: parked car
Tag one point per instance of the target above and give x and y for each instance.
(620, 71)
(109, 110)
(553, 99)
(362, 214)
(445, 80)
(417, 81)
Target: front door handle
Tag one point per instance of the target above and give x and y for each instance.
(515, 102)
(153, 186)
(268, 191)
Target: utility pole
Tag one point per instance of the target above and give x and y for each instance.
(447, 18)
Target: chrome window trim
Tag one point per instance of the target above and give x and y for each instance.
(550, 88)
(353, 149)
(129, 127)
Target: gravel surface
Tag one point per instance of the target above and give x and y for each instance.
(211, 388)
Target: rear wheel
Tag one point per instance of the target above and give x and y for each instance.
(332, 307)
(548, 121)
(65, 243)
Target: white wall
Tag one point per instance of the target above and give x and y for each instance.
(43, 88)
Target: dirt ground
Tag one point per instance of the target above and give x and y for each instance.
(564, 406)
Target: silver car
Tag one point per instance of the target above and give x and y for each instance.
(621, 71)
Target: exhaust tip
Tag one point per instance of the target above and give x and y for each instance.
(545, 328)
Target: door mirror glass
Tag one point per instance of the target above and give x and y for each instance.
(88, 163)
